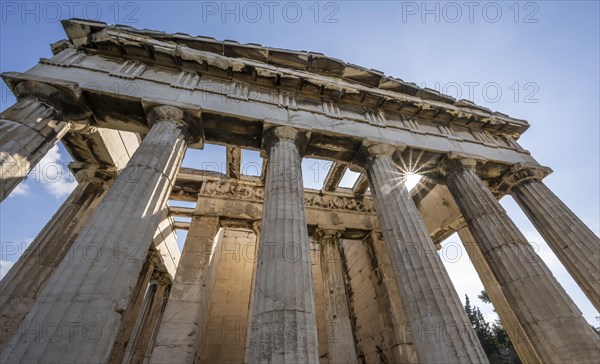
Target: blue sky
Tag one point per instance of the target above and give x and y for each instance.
(537, 61)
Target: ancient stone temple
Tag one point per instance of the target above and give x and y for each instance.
(272, 271)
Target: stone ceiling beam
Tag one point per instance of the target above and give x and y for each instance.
(102, 146)
(181, 225)
(181, 211)
(334, 176)
(361, 185)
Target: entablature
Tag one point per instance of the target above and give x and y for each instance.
(240, 202)
(303, 74)
(117, 104)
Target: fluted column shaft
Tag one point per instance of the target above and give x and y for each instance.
(156, 321)
(440, 328)
(575, 245)
(148, 322)
(546, 313)
(282, 326)
(140, 324)
(84, 299)
(519, 338)
(180, 334)
(25, 279)
(130, 316)
(28, 130)
(340, 344)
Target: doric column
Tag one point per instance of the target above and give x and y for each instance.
(524, 345)
(440, 328)
(31, 127)
(77, 315)
(25, 279)
(140, 323)
(130, 316)
(146, 321)
(282, 326)
(389, 299)
(181, 331)
(575, 245)
(538, 301)
(337, 314)
(156, 297)
(256, 230)
(162, 297)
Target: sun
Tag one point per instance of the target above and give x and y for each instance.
(412, 179)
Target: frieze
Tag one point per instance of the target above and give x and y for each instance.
(117, 41)
(66, 58)
(375, 118)
(239, 91)
(255, 193)
(331, 109)
(129, 70)
(242, 91)
(186, 81)
(287, 100)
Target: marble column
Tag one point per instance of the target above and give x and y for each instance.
(130, 316)
(181, 331)
(27, 277)
(28, 130)
(340, 344)
(77, 314)
(282, 327)
(522, 343)
(157, 319)
(574, 244)
(256, 229)
(389, 299)
(540, 304)
(440, 328)
(33, 125)
(148, 321)
(140, 323)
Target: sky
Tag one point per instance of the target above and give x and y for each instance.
(537, 61)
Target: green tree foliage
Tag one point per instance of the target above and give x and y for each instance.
(493, 336)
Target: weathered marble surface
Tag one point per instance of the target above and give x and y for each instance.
(282, 326)
(431, 304)
(542, 307)
(93, 290)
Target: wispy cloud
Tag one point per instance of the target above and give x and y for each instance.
(22, 189)
(54, 175)
(4, 267)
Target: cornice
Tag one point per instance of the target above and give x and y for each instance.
(320, 75)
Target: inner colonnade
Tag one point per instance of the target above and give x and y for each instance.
(272, 271)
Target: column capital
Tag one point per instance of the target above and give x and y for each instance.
(65, 97)
(452, 162)
(519, 173)
(93, 173)
(371, 149)
(160, 277)
(83, 128)
(186, 115)
(274, 134)
(327, 233)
